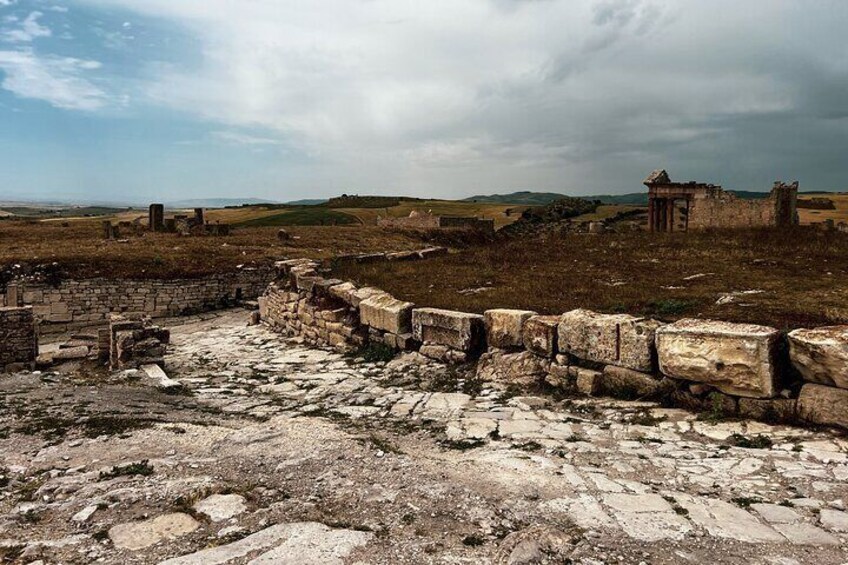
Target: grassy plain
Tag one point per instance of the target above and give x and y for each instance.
(783, 278)
(840, 200)
(81, 251)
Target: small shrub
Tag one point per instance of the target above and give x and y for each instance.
(376, 352)
(142, 468)
(757, 442)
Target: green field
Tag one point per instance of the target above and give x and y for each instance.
(306, 216)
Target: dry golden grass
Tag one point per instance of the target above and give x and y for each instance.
(839, 215)
(496, 212)
(802, 273)
(82, 252)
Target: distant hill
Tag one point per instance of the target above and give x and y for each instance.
(542, 198)
(307, 202)
(216, 202)
(522, 197)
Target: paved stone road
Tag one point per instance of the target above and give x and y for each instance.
(277, 453)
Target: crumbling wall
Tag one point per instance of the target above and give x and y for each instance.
(76, 303)
(18, 337)
(728, 211)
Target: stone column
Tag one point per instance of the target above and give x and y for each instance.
(156, 217)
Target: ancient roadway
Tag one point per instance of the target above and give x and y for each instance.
(276, 453)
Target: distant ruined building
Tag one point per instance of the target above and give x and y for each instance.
(680, 206)
(417, 220)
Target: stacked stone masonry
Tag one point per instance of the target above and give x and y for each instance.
(77, 303)
(706, 365)
(18, 338)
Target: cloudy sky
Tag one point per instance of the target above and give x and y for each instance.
(286, 99)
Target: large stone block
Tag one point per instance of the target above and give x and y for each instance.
(521, 368)
(627, 383)
(821, 354)
(825, 405)
(384, 312)
(504, 327)
(458, 330)
(539, 335)
(611, 339)
(738, 359)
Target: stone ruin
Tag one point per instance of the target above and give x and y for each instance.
(417, 220)
(183, 224)
(18, 338)
(680, 206)
(130, 343)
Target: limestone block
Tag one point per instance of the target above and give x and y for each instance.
(821, 354)
(769, 409)
(539, 335)
(457, 330)
(504, 327)
(589, 382)
(824, 405)
(363, 293)
(627, 383)
(522, 368)
(343, 292)
(384, 312)
(737, 359)
(611, 339)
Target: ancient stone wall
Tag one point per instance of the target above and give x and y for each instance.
(76, 303)
(18, 337)
(731, 212)
(724, 369)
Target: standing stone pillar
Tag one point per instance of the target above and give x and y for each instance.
(107, 230)
(198, 216)
(156, 217)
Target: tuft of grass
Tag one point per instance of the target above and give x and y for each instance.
(142, 468)
(375, 352)
(758, 441)
(745, 501)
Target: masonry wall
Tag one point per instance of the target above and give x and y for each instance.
(319, 321)
(731, 213)
(75, 303)
(18, 337)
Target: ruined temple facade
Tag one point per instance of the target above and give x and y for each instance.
(680, 206)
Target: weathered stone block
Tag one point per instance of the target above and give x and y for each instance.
(738, 359)
(384, 312)
(343, 292)
(824, 405)
(628, 383)
(457, 330)
(539, 335)
(611, 339)
(769, 410)
(363, 293)
(522, 368)
(504, 327)
(589, 382)
(821, 354)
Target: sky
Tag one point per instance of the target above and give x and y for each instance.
(136, 100)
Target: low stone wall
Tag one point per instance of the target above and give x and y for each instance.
(706, 365)
(18, 338)
(77, 303)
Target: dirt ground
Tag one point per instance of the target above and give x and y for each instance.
(276, 453)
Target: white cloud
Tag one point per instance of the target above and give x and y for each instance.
(237, 138)
(56, 80)
(28, 31)
(482, 91)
